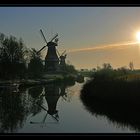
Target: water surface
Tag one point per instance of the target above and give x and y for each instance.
(54, 108)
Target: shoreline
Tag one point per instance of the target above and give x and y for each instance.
(40, 81)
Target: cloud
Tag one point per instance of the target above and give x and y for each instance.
(104, 47)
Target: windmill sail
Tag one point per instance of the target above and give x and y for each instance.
(42, 34)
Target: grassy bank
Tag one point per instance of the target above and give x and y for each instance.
(120, 103)
(114, 95)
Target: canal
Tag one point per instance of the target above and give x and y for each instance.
(54, 108)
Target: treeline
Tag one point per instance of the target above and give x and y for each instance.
(19, 62)
(107, 72)
(113, 85)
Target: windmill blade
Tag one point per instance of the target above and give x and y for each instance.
(56, 40)
(63, 52)
(55, 118)
(34, 50)
(58, 52)
(45, 118)
(54, 37)
(41, 49)
(43, 36)
(42, 107)
(64, 98)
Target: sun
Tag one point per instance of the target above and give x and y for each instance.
(138, 36)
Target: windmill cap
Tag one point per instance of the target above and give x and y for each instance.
(51, 44)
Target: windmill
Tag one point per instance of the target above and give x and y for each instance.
(62, 58)
(51, 59)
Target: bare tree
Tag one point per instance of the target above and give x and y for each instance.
(131, 66)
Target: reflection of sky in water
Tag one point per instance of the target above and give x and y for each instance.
(73, 118)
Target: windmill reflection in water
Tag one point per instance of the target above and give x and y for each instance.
(51, 93)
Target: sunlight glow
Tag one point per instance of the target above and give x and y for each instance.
(138, 36)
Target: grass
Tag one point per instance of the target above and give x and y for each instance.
(131, 77)
(114, 95)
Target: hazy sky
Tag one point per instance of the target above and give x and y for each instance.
(79, 28)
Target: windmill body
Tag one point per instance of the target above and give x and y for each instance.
(51, 59)
(62, 61)
(52, 95)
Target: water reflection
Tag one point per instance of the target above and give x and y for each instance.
(15, 107)
(13, 110)
(122, 111)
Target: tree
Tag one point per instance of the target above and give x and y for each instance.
(107, 66)
(98, 68)
(94, 70)
(70, 69)
(12, 52)
(131, 66)
(35, 67)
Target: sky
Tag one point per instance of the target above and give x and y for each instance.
(91, 36)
